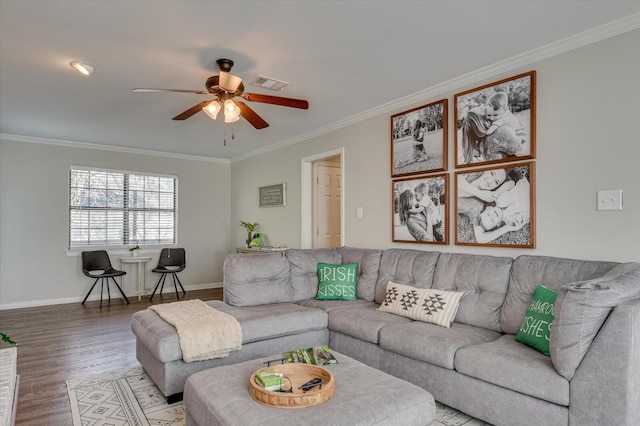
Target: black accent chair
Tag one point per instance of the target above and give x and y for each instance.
(172, 261)
(98, 260)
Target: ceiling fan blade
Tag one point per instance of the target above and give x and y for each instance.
(276, 100)
(251, 116)
(199, 92)
(191, 111)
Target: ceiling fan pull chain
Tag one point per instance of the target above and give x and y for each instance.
(225, 135)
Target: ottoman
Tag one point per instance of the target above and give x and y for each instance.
(363, 396)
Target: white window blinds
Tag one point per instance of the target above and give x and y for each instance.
(115, 208)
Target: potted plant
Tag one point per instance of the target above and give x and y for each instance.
(250, 227)
(134, 250)
(4, 338)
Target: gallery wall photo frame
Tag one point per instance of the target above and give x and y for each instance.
(495, 206)
(421, 209)
(419, 140)
(496, 123)
(273, 195)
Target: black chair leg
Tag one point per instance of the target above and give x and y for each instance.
(102, 290)
(164, 279)
(175, 286)
(119, 288)
(155, 289)
(184, 293)
(90, 290)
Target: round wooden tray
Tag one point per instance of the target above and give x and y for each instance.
(299, 374)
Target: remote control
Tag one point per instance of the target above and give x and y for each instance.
(311, 383)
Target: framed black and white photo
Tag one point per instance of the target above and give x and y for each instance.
(421, 210)
(495, 206)
(419, 140)
(495, 123)
(273, 195)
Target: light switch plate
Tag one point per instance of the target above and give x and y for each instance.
(610, 200)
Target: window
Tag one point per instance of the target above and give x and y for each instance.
(116, 208)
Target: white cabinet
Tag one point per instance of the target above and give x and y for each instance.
(8, 385)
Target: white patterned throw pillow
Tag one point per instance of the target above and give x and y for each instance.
(422, 304)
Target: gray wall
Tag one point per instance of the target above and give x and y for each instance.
(587, 140)
(35, 267)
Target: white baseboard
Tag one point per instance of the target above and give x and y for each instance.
(96, 296)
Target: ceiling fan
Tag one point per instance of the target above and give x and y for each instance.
(225, 87)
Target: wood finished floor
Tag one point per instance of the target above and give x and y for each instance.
(61, 342)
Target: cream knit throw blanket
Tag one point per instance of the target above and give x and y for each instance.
(204, 332)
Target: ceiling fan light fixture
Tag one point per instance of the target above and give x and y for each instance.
(231, 120)
(231, 111)
(82, 67)
(212, 109)
(229, 82)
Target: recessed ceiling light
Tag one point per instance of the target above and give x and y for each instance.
(269, 83)
(82, 67)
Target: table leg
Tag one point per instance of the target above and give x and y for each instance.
(144, 280)
(140, 282)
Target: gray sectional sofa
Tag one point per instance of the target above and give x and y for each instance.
(591, 378)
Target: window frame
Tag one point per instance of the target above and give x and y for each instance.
(124, 244)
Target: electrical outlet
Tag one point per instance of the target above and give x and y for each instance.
(359, 212)
(610, 200)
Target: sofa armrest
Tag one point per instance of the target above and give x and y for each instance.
(606, 386)
(257, 279)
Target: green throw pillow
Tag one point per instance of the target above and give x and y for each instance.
(536, 329)
(337, 282)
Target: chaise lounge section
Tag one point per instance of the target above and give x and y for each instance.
(476, 365)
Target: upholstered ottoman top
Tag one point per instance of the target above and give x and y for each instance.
(363, 396)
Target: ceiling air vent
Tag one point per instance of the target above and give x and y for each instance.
(269, 83)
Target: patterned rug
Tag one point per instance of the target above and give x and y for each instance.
(130, 398)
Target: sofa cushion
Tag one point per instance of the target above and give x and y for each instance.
(256, 279)
(484, 281)
(369, 261)
(157, 335)
(432, 343)
(269, 321)
(337, 282)
(530, 271)
(409, 267)
(304, 269)
(330, 305)
(536, 327)
(363, 321)
(422, 304)
(258, 323)
(582, 308)
(507, 363)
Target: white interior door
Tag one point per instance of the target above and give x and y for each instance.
(327, 204)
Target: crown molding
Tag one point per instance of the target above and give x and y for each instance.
(585, 38)
(86, 145)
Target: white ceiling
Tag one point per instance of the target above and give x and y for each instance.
(344, 57)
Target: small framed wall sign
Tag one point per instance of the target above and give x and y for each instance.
(495, 206)
(419, 140)
(496, 123)
(421, 210)
(273, 195)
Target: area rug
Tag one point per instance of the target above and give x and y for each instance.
(130, 398)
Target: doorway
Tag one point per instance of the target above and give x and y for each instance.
(327, 194)
(323, 200)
